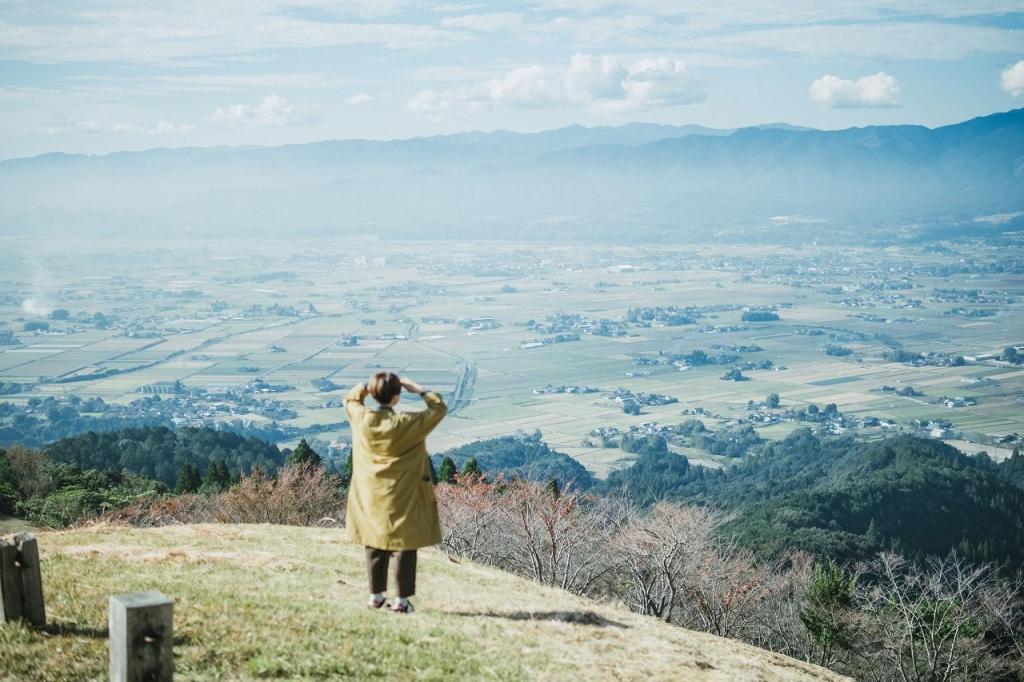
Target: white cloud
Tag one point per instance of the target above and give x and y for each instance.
(877, 90)
(272, 110)
(360, 98)
(598, 83)
(1012, 80)
(168, 128)
(661, 82)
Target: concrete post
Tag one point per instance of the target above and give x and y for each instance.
(33, 608)
(10, 583)
(141, 637)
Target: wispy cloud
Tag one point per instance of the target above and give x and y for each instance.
(487, 23)
(272, 110)
(1012, 79)
(781, 12)
(122, 127)
(116, 68)
(893, 40)
(877, 90)
(136, 33)
(359, 98)
(599, 83)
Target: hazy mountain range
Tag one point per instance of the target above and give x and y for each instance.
(632, 181)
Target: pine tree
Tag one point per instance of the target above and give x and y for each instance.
(346, 471)
(553, 488)
(446, 474)
(9, 493)
(303, 454)
(217, 478)
(471, 468)
(209, 484)
(189, 479)
(826, 609)
(872, 532)
(223, 475)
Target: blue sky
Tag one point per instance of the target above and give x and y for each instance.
(102, 76)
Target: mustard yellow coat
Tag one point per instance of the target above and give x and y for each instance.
(391, 503)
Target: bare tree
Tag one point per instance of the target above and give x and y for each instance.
(654, 550)
(559, 539)
(782, 615)
(470, 516)
(722, 589)
(300, 495)
(934, 623)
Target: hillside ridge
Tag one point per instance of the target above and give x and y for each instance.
(632, 133)
(258, 600)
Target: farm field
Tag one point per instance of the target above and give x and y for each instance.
(481, 325)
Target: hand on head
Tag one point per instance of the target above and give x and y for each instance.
(386, 387)
(411, 386)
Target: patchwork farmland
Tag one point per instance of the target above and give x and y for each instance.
(291, 328)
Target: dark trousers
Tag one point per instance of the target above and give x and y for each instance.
(405, 570)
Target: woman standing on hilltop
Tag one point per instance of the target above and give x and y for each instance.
(391, 503)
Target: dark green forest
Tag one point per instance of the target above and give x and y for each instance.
(55, 495)
(520, 456)
(160, 453)
(846, 499)
(82, 476)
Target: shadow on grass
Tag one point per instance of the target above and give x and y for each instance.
(574, 617)
(66, 629)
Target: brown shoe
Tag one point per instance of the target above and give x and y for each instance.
(377, 603)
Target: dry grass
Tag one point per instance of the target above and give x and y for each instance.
(259, 601)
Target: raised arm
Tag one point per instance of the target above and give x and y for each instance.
(354, 406)
(428, 419)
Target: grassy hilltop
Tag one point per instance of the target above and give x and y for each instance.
(255, 601)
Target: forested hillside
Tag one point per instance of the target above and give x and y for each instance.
(849, 500)
(833, 497)
(160, 453)
(520, 456)
(77, 478)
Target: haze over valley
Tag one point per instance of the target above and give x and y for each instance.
(655, 182)
(712, 317)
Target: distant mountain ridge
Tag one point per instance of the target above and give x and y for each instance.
(676, 181)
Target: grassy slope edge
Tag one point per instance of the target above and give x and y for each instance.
(255, 601)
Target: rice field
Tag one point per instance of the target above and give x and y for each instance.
(282, 313)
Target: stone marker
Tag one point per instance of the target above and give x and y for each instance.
(33, 608)
(10, 583)
(141, 637)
